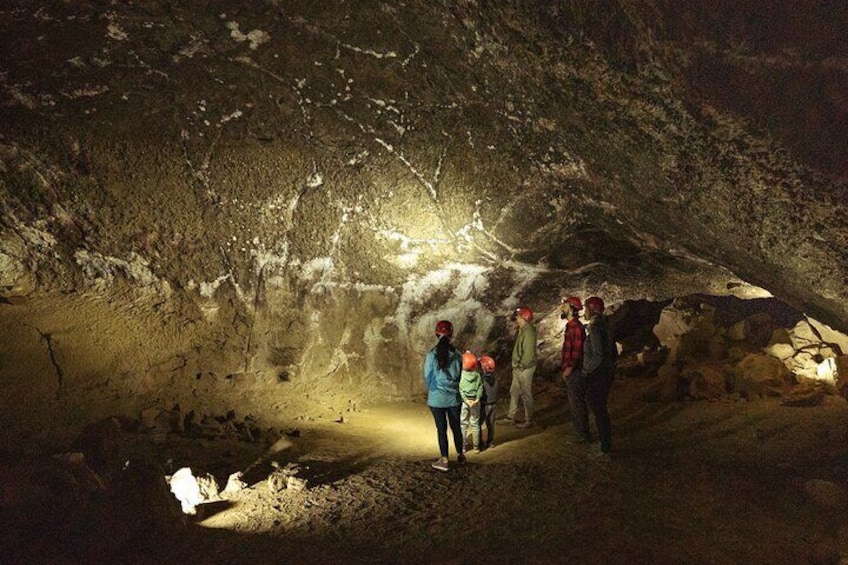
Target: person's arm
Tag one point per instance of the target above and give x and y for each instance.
(518, 349)
(429, 373)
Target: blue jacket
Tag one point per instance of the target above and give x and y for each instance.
(442, 384)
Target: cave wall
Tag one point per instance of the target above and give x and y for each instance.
(290, 194)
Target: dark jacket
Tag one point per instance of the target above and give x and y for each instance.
(599, 351)
(490, 389)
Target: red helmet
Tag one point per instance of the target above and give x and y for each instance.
(595, 305)
(469, 361)
(522, 312)
(487, 364)
(444, 328)
(573, 301)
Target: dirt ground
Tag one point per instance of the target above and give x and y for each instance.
(690, 482)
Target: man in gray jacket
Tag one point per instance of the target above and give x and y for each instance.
(523, 368)
(599, 354)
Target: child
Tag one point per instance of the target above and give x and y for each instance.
(490, 398)
(471, 391)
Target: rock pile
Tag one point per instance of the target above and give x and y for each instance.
(699, 358)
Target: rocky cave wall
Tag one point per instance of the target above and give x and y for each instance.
(275, 200)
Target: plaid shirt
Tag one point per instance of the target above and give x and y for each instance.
(572, 345)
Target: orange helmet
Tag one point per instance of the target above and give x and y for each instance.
(595, 305)
(573, 301)
(487, 364)
(523, 312)
(444, 328)
(469, 361)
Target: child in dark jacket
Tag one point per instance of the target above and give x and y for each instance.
(490, 398)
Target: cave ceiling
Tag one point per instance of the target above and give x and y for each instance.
(257, 161)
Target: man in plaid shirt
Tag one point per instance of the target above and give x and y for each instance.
(572, 364)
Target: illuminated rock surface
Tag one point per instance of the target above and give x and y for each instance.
(264, 207)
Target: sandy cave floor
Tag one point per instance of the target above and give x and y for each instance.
(690, 482)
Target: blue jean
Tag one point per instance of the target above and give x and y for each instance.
(443, 417)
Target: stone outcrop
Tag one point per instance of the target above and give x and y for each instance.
(751, 358)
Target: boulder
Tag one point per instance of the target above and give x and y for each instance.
(666, 386)
(234, 483)
(780, 335)
(842, 368)
(148, 418)
(673, 323)
(100, 442)
(825, 493)
(706, 382)
(758, 376)
(736, 353)
(759, 328)
(717, 348)
(805, 363)
(782, 351)
(736, 332)
(804, 398)
(192, 490)
(837, 340)
(803, 335)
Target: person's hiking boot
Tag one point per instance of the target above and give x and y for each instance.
(602, 455)
(523, 425)
(505, 421)
(460, 458)
(440, 464)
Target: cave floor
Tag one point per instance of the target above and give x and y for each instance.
(689, 482)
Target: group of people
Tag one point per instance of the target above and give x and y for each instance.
(462, 390)
(462, 393)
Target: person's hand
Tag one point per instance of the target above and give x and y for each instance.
(566, 373)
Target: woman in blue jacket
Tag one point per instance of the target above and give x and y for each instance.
(442, 368)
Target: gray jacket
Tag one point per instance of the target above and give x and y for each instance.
(599, 350)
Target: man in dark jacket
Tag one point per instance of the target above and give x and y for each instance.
(599, 354)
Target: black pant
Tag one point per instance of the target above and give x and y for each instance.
(487, 417)
(593, 390)
(443, 417)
